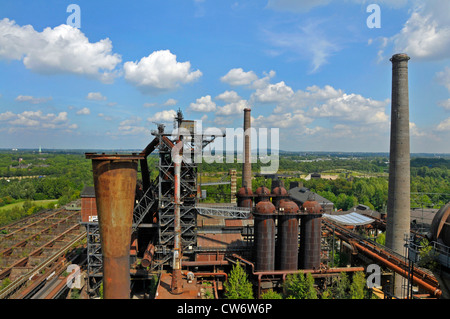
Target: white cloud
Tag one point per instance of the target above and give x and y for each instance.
(285, 120)
(147, 104)
(353, 108)
(63, 49)
(84, 111)
(37, 120)
(415, 131)
(232, 108)
(203, 104)
(426, 34)
(445, 104)
(32, 99)
(163, 116)
(95, 96)
(238, 76)
(443, 78)
(170, 102)
(228, 97)
(444, 125)
(159, 72)
(273, 93)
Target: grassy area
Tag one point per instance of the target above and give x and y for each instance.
(44, 202)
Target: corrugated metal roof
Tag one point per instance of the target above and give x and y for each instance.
(354, 219)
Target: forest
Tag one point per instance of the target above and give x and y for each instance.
(31, 177)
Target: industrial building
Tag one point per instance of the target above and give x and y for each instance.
(158, 227)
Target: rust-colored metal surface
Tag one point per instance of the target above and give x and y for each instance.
(279, 193)
(262, 194)
(264, 247)
(115, 184)
(245, 197)
(440, 226)
(148, 256)
(310, 235)
(287, 239)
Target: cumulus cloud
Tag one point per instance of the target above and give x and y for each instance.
(443, 78)
(203, 104)
(353, 108)
(159, 72)
(445, 104)
(63, 49)
(170, 102)
(426, 33)
(444, 125)
(273, 93)
(84, 111)
(37, 120)
(238, 76)
(95, 96)
(232, 108)
(228, 97)
(32, 99)
(163, 116)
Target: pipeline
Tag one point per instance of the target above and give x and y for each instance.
(421, 283)
(388, 261)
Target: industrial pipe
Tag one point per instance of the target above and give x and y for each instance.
(115, 185)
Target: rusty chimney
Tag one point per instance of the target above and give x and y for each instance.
(115, 184)
(247, 167)
(398, 205)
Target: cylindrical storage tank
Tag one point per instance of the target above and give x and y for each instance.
(264, 246)
(440, 226)
(245, 197)
(115, 185)
(279, 193)
(287, 236)
(310, 235)
(262, 194)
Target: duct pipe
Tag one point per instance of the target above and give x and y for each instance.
(115, 184)
(247, 167)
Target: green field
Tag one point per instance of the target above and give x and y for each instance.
(34, 202)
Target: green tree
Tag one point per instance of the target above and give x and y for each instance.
(299, 286)
(341, 285)
(238, 286)
(270, 294)
(357, 287)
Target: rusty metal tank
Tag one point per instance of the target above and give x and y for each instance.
(245, 197)
(264, 246)
(310, 235)
(115, 185)
(279, 193)
(440, 226)
(287, 236)
(262, 194)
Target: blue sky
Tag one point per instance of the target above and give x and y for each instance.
(313, 69)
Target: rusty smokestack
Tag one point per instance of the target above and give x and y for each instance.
(177, 285)
(247, 167)
(398, 206)
(115, 185)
